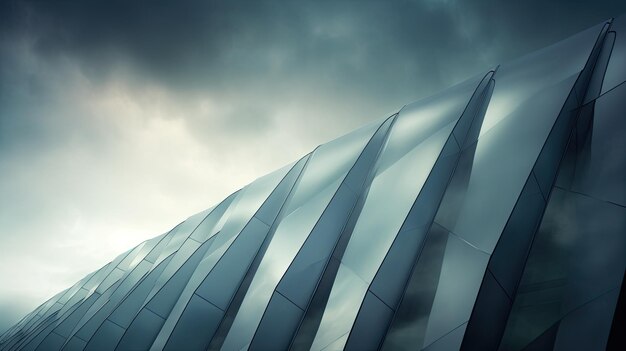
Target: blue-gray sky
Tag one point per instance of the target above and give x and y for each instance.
(118, 119)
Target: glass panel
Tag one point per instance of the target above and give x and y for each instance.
(69, 293)
(396, 185)
(199, 274)
(518, 83)
(462, 270)
(287, 240)
(67, 324)
(97, 277)
(491, 310)
(509, 257)
(418, 121)
(199, 319)
(165, 299)
(490, 177)
(322, 176)
(468, 127)
(251, 198)
(329, 162)
(97, 304)
(106, 338)
(415, 142)
(616, 71)
(600, 168)
(100, 309)
(371, 325)
(441, 291)
(44, 330)
(132, 257)
(364, 164)
(246, 244)
(393, 274)
(89, 323)
(547, 164)
(343, 304)
(76, 298)
(179, 258)
(270, 208)
(207, 228)
(156, 252)
(146, 248)
(75, 344)
(130, 281)
(141, 332)
(578, 237)
(300, 280)
(451, 341)
(128, 308)
(52, 342)
(594, 87)
(391, 278)
(113, 277)
(221, 284)
(298, 283)
(587, 328)
(545, 341)
(183, 231)
(278, 325)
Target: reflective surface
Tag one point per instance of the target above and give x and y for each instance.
(488, 216)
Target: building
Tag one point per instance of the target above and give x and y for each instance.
(490, 216)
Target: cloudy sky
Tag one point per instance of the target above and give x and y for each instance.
(119, 119)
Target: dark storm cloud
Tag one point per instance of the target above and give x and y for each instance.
(391, 52)
(124, 116)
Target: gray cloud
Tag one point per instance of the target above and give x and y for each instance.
(120, 118)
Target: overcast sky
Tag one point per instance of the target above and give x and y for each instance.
(119, 119)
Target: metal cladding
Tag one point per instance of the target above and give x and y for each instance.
(490, 216)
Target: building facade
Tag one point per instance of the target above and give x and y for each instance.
(490, 216)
